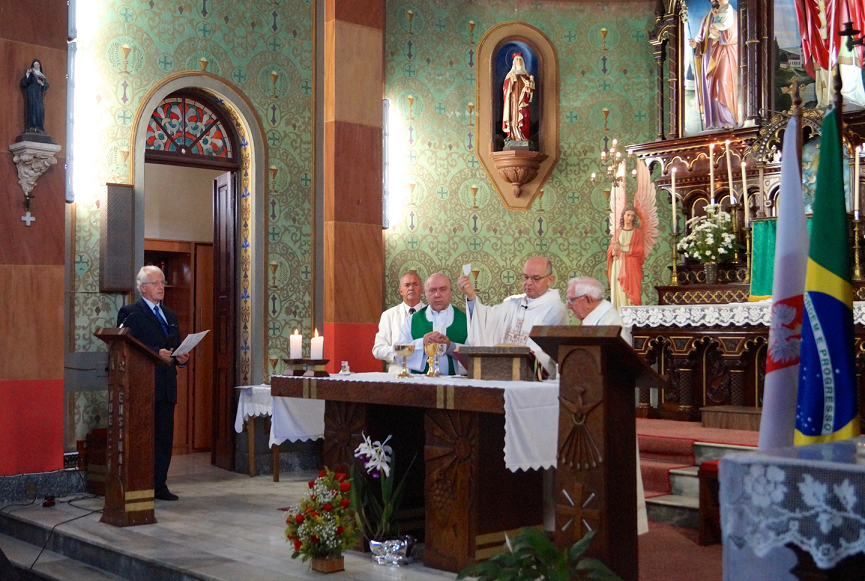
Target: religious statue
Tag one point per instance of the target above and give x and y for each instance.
(518, 90)
(634, 230)
(34, 84)
(819, 42)
(716, 55)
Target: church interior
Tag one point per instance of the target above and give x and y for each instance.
(287, 163)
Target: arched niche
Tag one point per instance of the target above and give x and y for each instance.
(517, 173)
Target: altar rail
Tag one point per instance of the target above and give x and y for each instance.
(712, 355)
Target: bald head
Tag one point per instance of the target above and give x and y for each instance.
(537, 276)
(438, 291)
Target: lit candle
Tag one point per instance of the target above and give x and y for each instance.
(856, 189)
(730, 175)
(673, 198)
(711, 173)
(316, 347)
(745, 195)
(295, 346)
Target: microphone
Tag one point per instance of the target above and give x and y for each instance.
(129, 316)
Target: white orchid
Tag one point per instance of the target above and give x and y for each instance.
(376, 455)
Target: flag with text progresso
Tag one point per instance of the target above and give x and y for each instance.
(826, 408)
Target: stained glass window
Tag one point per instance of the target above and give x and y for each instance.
(186, 126)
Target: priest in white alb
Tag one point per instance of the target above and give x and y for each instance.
(511, 321)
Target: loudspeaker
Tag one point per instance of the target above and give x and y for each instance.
(116, 238)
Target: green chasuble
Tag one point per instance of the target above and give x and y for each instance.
(458, 332)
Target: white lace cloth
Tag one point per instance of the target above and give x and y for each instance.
(756, 313)
(810, 496)
(293, 419)
(531, 414)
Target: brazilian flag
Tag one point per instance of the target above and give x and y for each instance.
(826, 407)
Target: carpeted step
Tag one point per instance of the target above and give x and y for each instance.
(656, 476)
(676, 450)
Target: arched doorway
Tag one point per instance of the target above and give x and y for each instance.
(241, 272)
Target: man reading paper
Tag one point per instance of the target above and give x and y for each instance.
(511, 321)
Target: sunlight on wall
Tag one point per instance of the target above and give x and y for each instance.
(397, 169)
(85, 178)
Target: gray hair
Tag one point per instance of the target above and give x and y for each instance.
(141, 278)
(586, 285)
(549, 266)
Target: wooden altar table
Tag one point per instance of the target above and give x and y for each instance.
(456, 426)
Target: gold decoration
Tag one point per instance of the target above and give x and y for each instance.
(124, 154)
(431, 350)
(471, 31)
(541, 200)
(125, 50)
(404, 351)
(202, 62)
(273, 171)
(409, 15)
(274, 76)
(411, 187)
(410, 100)
(273, 268)
(474, 190)
(475, 273)
(470, 107)
(604, 32)
(606, 113)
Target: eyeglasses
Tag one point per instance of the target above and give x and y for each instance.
(535, 279)
(156, 283)
(571, 300)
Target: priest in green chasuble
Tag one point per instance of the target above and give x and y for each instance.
(438, 322)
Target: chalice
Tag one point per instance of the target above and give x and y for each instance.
(432, 350)
(404, 351)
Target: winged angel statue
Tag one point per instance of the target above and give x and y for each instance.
(634, 230)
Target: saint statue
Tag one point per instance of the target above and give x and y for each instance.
(34, 84)
(716, 53)
(633, 237)
(518, 90)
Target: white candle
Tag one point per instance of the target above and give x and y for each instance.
(730, 175)
(745, 195)
(295, 346)
(856, 189)
(711, 173)
(673, 199)
(316, 347)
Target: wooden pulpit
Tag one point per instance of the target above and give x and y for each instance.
(596, 478)
(129, 456)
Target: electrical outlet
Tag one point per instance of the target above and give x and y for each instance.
(30, 490)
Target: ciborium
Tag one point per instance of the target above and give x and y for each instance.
(404, 351)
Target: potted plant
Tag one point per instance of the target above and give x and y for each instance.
(531, 555)
(322, 526)
(709, 241)
(376, 510)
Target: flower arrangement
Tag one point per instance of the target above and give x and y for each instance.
(375, 514)
(322, 525)
(710, 239)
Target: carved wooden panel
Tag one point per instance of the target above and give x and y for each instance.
(343, 427)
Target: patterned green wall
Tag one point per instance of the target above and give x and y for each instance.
(243, 41)
(435, 148)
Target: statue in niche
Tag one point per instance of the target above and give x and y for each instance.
(517, 91)
(716, 56)
(634, 230)
(34, 84)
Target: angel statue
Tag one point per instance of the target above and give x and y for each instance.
(634, 230)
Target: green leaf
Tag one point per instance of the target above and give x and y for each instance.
(581, 546)
(596, 570)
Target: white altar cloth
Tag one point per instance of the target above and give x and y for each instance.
(531, 414)
(292, 418)
(756, 313)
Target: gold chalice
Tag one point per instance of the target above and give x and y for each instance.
(403, 351)
(431, 350)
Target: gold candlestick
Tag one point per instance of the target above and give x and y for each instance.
(471, 31)
(409, 14)
(202, 62)
(674, 279)
(474, 190)
(470, 107)
(273, 268)
(604, 32)
(747, 254)
(857, 266)
(734, 214)
(410, 100)
(274, 76)
(125, 50)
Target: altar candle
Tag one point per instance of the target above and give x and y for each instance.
(730, 175)
(745, 195)
(316, 347)
(295, 345)
(856, 189)
(711, 173)
(673, 198)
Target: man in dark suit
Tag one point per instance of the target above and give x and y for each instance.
(157, 327)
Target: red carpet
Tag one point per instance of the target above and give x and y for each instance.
(694, 431)
(669, 553)
(656, 476)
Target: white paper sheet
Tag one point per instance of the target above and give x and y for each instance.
(467, 269)
(189, 343)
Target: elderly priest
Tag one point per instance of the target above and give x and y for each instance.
(438, 322)
(393, 319)
(512, 320)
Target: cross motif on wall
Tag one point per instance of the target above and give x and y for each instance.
(605, 85)
(410, 71)
(305, 180)
(573, 197)
(239, 76)
(640, 115)
(574, 513)
(475, 243)
(273, 138)
(542, 244)
(204, 30)
(473, 162)
(124, 117)
(442, 192)
(305, 272)
(273, 44)
(273, 234)
(571, 117)
(508, 277)
(570, 36)
(274, 328)
(165, 62)
(440, 108)
(412, 157)
(306, 87)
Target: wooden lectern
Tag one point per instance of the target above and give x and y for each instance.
(129, 456)
(596, 478)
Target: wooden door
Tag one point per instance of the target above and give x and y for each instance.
(202, 385)
(225, 320)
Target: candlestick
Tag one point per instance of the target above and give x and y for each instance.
(745, 196)
(730, 174)
(295, 345)
(673, 199)
(761, 212)
(856, 189)
(316, 346)
(674, 278)
(711, 173)
(857, 265)
(747, 254)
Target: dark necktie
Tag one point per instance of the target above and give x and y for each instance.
(411, 310)
(162, 320)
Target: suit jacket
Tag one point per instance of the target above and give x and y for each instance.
(140, 319)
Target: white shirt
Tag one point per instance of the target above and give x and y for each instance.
(512, 321)
(388, 333)
(606, 314)
(440, 320)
